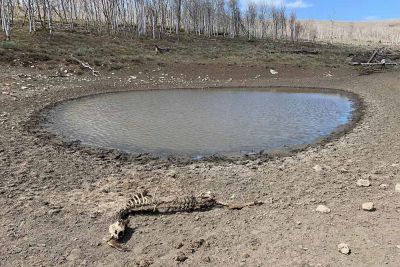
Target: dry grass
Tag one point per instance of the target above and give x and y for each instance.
(385, 32)
(123, 52)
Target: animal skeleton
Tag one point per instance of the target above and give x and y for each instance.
(145, 204)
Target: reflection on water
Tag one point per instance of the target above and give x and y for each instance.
(200, 122)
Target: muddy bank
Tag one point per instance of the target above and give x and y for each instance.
(58, 201)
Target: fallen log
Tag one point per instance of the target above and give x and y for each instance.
(372, 64)
(376, 64)
(301, 51)
(160, 50)
(86, 65)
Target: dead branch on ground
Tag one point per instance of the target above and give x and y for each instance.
(86, 65)
(160, 50)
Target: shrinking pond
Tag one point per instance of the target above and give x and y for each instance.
(200, 122)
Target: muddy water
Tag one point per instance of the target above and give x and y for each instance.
(200, 122)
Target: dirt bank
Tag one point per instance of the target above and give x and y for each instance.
(57, 202)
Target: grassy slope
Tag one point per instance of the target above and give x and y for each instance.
(126, 52)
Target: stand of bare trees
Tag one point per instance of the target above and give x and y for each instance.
(152, 18)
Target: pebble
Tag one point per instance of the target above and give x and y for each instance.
(368, 206)
(317, 168)
(344, 248)
(172, 174)
(397, 188)
(384, 186)
(363, 183)
(181, 257)
(74, 254)
(323, 209)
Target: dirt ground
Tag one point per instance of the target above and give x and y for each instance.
(57, 202)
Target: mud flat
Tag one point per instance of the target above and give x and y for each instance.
(58, 200)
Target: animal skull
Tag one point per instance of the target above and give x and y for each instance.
(117, 230)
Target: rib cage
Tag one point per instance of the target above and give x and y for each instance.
(140, 200)
(144, 204)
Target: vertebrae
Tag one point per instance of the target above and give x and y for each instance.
(145, 204)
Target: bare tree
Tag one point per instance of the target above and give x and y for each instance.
(292, 26)
(235, 18)
(298, 29)
(251, 15)
(263, 18)
(7, 16)
(178, 11)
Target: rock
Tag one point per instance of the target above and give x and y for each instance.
(74, 254)
(178, 245)
(207, 259)
(181, 257)
(273, 72)
(397, 188)
(172, 174)
(317, 168)
(363, 183)
(144, 263)
(344, 248)
(368, 206)
(323, 209)
(384, 186)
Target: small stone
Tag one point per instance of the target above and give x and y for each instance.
(363, 183)
(181, 257)
(368, 206)
(384, 186)
(178, 245)
(397, 188)
(344, 248)
(172, 174)
(323, 209)
(317, 168)
(145, 263)
(74, 254)
(273, 72)
(207, 259)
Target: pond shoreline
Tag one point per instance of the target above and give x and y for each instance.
(36, 121)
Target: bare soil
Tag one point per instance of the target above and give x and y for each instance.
(57, 202)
